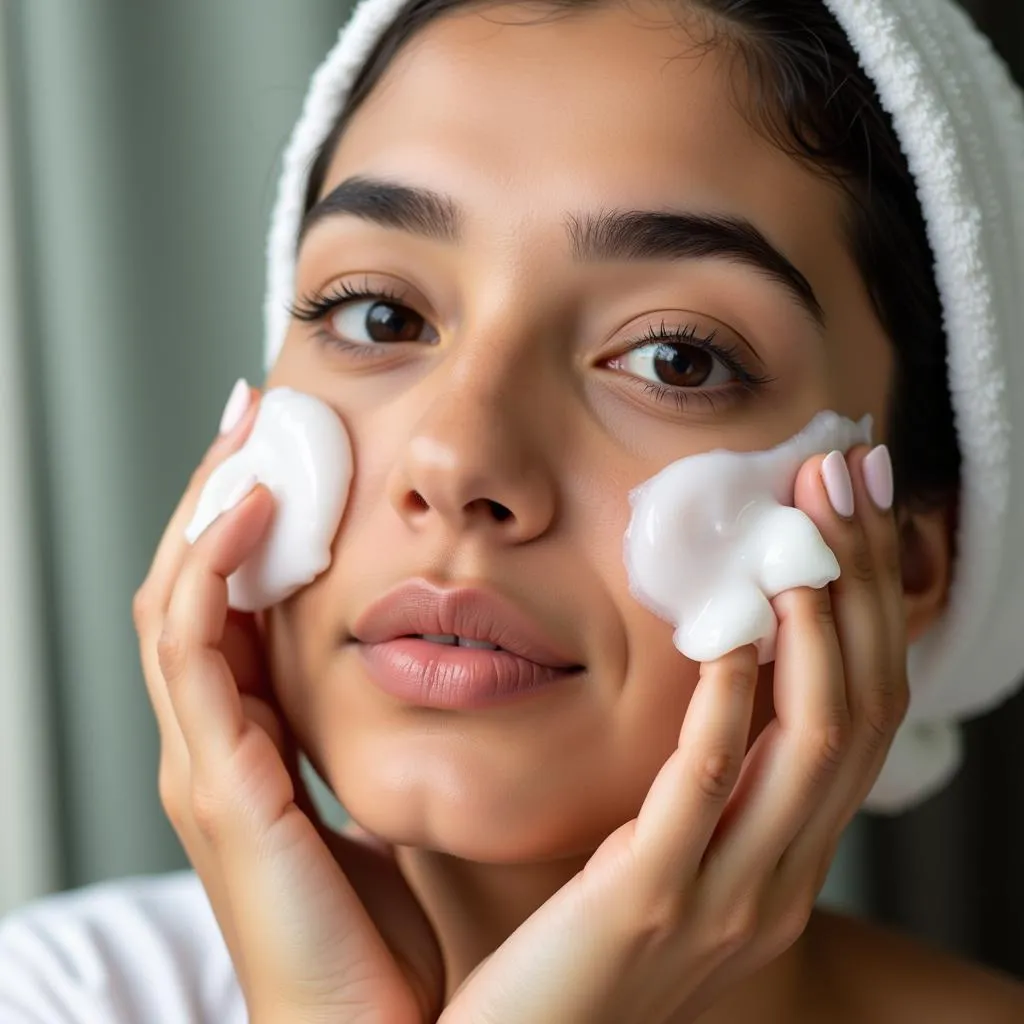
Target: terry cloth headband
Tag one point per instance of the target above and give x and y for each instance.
(960, 120)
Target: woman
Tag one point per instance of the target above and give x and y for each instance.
(546, 250)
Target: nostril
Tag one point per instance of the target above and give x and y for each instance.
(499, 511)
(417, 503)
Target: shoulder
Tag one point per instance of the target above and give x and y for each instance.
(882, 977)
(145, 948)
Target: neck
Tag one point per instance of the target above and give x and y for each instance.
(474, 907)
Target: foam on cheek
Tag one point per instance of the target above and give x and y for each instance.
(714, 537)
(300, 451)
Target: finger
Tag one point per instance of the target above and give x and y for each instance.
(683, 807)
(202, 692)
(816, 707)
(882, 536)
(241, 647)
(797, 755)
(170, 656)
(855, 594)
(173, 545)
(154, 595)
(879, 699)
(870, 623)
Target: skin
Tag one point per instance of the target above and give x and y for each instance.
(490, 814)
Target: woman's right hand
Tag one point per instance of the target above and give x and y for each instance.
(319, 926)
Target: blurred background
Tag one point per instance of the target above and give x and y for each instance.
(139, 148)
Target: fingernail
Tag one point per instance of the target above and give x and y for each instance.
(838, 486)
(238, 402)
(238, 492)
(877, 469)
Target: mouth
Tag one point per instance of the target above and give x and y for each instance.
(451, 640)
(458, 648)
(469, 617)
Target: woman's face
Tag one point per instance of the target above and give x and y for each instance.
(508, 395)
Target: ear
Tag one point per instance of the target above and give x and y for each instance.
(926, 562)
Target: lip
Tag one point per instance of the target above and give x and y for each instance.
(439, 675)
(418, 607)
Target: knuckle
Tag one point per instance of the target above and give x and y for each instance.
(659, 922)
(877, 729)
(739, 928)
(716, 773)
(822, 607)
(170, 793)
(829, 745)
(884, 711)
(861, 565)
(141, 608)
(172, 654)
(207, 811)
(739, 683)
(891, 559)
(791, 925)
(880, 726)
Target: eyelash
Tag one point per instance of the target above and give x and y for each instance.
(730, 356)
(319, 305)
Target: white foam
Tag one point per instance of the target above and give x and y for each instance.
(714, 537)
(299, 449)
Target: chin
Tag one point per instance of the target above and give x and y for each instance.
(476, 820)
(488, 842)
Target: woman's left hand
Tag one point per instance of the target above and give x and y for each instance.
(718, 874)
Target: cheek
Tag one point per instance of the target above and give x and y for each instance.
(658, 686)
(658, 681)
(294, 367)
(301, 644)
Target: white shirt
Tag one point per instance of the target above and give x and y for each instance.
(143, 950)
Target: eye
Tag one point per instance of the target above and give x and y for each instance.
(363, 316)
(677, 365)
(379, 321)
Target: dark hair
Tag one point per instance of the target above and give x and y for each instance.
(811, 98)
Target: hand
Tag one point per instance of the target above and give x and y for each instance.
(718, 874)
(319, 926)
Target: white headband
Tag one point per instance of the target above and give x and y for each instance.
(960, 120)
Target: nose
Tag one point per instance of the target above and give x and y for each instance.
(474, 463)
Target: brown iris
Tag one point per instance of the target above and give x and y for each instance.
(683, 366)
(387, 321)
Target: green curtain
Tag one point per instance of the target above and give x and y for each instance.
(147, 149)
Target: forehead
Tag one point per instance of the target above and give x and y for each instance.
(525, 115)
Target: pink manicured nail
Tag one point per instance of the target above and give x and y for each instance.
(238, 402)
(838, 485)
(877, 468)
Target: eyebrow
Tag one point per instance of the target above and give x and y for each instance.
(654, 235)
(418, 211)
(607, 236)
